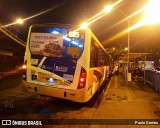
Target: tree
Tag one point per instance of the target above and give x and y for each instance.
(116, 53)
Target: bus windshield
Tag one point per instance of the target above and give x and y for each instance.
(56, 42)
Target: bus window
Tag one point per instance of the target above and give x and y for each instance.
(101, 58)
(93, 54)
(54, 42)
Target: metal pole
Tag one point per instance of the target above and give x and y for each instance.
(128, 47)
(144, 79)
(128, 40)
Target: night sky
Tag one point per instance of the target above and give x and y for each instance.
(142, 39)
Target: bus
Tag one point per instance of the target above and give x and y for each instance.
(64, 62)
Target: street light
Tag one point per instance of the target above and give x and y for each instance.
(3, 29)
(152, 12)
(107, 9)
(126, 49)
(84, 25)
(19, 21)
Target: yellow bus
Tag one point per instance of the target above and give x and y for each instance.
(64, 63)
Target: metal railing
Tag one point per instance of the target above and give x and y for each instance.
(153, 79)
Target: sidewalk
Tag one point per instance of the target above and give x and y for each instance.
(118, 89)
(132, 100)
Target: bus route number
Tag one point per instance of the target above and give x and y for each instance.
(73, 34)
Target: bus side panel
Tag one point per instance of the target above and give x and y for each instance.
(86, 64)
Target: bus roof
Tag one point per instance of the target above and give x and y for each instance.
(55, 24)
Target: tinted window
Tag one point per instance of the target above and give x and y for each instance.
(93, 54)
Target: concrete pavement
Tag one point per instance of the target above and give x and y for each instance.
(132, 100)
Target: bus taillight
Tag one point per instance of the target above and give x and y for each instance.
(82, 79)
(24, 66)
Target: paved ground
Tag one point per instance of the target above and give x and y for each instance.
(122, 103)
(132, 100)
(125, 105)
(129, 103)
